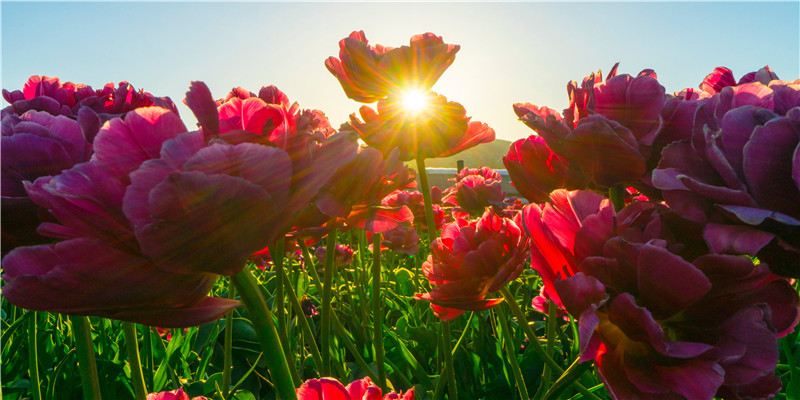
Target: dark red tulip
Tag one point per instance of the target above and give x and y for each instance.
(653, 305)
(738, 173)
(608, 131)
(34, 144)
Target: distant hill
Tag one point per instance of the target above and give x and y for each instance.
(483, 155)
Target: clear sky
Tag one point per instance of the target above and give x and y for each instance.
(510, 52)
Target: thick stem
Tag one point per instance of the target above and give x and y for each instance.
(227, 362)
(86, 363)
(511, 353)
(264, 325)
(325, 340)
(377, 313)
(426, 197)
(33, 356)
(147, 358)
(448, 361)
(132, 345)
(617, 196)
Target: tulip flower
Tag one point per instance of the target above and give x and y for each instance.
(91, 108)
(369, 73)
(738, 173)
(609, 129)
(475, 189)
(414, 201)
(315, 150)
(131, 205)
(177, 394)
(362, 389)
(471, 259)
(106, 266)
(653, 306)
(535, 170)
(343, 255)
(354, 193)
(34, 144)
(440, 129)
(402, 239)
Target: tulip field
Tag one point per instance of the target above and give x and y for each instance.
(651, 249)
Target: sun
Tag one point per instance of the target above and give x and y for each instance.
(414, 101)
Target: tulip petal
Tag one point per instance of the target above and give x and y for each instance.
(124, 144)
(201, 102)
(322, 389)
(735, 239)
(206, 206)
(768, 164)
(90, 277)
(660, 274)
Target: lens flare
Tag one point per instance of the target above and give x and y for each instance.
(414, 101)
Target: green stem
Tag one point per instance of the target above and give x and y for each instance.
(264, 325)
(534, 341)
(147, 359)
(448, 361)
(277, 253)
(86, 363)
(227, 362)
(132, 345)
(325, 340)
(551, 333)
(311, 268)
(337, 324)
(303, 321)
(617, 196)
(33, 357)
(508, 341)
(426, 197)
(377, 313)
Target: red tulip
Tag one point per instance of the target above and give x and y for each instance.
(91, 108)
(370, 73)
(178, 394)
(470, 260)
(441, 129)
(362, 389)
(475, 189)
(535, 170)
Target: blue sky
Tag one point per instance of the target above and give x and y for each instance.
(510, 52)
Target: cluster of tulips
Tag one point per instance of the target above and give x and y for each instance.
(667, 225)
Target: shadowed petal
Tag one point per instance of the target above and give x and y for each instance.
(192, 217)
(667, 283)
